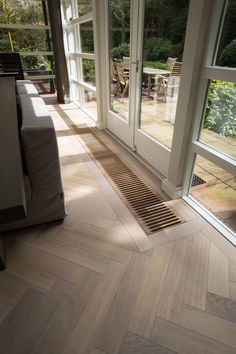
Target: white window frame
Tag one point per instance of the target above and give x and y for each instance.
(196, 147)
(77, 80)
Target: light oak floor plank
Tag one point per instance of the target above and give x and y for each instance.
(48, 263)
(96, 351)
(173, 292)
(232, 290)
(23, 327)
(10, 293)
(220, 242)
(104, 234)
(133, 344)
(72, 254)
(221, 307)
(84, 333)
(232, 272)
(117, 319)
(67, 315)
(197, 278)
(30, 275)
(214, 327)
(218, 282)
(149, 297)
(186, 341)
(95, 246)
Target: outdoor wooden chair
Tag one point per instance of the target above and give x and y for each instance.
(122, 78)
(168, 84)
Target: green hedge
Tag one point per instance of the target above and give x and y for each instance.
(220, 116)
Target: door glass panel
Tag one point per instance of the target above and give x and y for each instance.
(73, 67)
(88, 66)
(219, 121)
(86, 37)
(119, 49)
(90, 102)
(164, 33)
(70, 35)
(215, 189)
(225, 55)
(67, 9)
(84, 7)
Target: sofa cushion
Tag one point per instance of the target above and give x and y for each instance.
(27, 88)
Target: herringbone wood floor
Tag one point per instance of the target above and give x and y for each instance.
(96, 284)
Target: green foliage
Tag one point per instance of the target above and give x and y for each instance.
(228, 55)
(120, 51)
(157, 49)
(155, 64)
(89, 71)
(4, 45)
(220, 114)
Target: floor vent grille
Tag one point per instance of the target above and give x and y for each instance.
(196, 181)
(146, 205)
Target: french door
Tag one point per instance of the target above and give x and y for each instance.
(142, 93)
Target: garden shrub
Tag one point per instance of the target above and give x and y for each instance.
(89, 71)
(157, 49)
(228, 55)
(220, 114)
(155, 64)
(120, 51)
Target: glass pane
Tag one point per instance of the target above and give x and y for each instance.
(25, 40)
(86, 37)
(88, 66)
(227, 42)
(23, 12)
(71, 40)
(219, 122)
(67, 9)
(73, 67)
(215, 189)
(90, 103)
(164, 33)
(119, 43)
(74, 90)
(84, 7)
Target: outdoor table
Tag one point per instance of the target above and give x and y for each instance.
(151, 72)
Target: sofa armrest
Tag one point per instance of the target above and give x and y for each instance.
(39, 146)
(12, 193)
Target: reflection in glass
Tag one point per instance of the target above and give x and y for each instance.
(73, 67)
(70, 40)
(215, 189)
(225, 55)
(88, 66)
(86, 37)
(162, 63)
(119, 42)
(90, 103)
(84, 7)
(219, 123)
(67, 9)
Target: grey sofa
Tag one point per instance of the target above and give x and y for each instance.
(44, 198)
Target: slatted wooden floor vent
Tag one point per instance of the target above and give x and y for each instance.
(146, 205)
